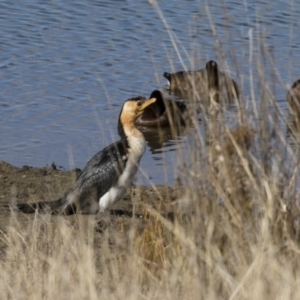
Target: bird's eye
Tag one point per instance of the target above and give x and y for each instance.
(139, 103)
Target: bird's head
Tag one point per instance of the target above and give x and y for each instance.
(159, 108)
(212, 74)
(212, 67)
(132, 109)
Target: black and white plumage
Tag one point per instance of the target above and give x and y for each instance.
(108, 174)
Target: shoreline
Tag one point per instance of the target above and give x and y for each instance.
(30, 184)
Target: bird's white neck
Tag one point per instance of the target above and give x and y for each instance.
(136, 141)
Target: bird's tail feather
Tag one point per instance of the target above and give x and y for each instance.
(57, 207)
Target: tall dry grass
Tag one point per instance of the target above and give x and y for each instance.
(234, 233)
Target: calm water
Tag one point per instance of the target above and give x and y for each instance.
(65, 69)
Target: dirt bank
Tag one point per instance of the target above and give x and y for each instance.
(28, 184)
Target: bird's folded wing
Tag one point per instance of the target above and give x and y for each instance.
(103, 169)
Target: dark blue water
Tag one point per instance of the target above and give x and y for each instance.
(66, 68)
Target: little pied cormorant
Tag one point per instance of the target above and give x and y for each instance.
(108, 174)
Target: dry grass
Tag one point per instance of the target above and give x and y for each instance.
(234, 235)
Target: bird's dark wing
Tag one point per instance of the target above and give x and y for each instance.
(103, 169)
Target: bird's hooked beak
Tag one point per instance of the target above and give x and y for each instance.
(146, 104)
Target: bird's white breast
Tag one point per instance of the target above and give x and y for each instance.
(135, 152)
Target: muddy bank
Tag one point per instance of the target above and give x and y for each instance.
(28, 184)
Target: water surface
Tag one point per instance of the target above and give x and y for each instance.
(66, 68)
